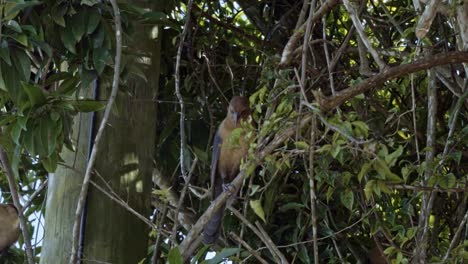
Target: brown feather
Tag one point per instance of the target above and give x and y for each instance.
(9, 226)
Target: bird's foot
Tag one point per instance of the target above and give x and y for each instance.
(229, 188)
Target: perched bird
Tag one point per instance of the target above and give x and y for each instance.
(9, 226)
(226, 160)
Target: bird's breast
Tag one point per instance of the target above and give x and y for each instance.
(230, 158)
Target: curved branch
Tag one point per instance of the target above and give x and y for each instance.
(92, 158)
(329, 103)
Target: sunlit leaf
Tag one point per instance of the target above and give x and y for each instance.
(256, 206)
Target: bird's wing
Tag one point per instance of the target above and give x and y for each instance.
(214, 164)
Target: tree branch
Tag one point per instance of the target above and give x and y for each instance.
(92, 158)
(16, 201)
(329, 103)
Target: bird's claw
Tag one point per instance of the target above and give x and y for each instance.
(229, 188)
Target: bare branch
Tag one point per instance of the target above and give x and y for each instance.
(183, 143)
(92, 158)
(248, 247)
(360, 29)
(425, 21)
(329, 103)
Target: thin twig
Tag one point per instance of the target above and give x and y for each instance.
(455, 237)
(428, 198)
(33, 196)
(92, 158)
(181, 201)
(256, 232)
(415, 124)
(360, 29)
(183, 143)
(126, 206)
(270, 243)
(248, 247)
(212, 78)
(16, 201)
(313, 196)
(162, 218)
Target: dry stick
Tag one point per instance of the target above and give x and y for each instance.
(270, 243)
(415, 127)
(302, 14)
(428, 198)
(313, 196)
(125, 206)
(92, 158)
(427, 188)
(425, 21)
(455, 237)
(16, 201)
(306, 40)
(256, 231)
(286, 56)
(181, 201)
(36, 192)
(360, 29)
(248, 247)
(210, 73)
(183, 143)
(262, 152)
(158, 238)
(329, 103)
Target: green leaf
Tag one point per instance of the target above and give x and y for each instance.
(364, 169)
(382, 169)
(21, 39)
(22, 64)
(50, 163)
(68, 86)
(393, 157)
(16, 132)
(301, 145)
(16, 7)
(88, 105)
(49, 132)
(100, 58)
(256, 206)
(201, 252)
(87, 77)
(225, 253)
(383, 187)
(94, 17)
(447, 181)
(174, 256)
(55, 77)
(13, 25)
(347, 198)
(68, 40)
(78, 24)
(5, 52)
(35, 94)
(369, 189)
(291, 206)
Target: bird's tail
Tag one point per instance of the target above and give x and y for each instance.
(212, 228)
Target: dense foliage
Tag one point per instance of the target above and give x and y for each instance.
(369, 141)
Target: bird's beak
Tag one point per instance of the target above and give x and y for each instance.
(236, 117)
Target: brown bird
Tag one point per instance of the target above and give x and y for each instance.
(9, 226)
(226, 160)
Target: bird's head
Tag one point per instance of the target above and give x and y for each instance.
(238, 109)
